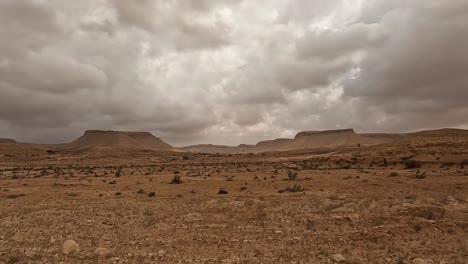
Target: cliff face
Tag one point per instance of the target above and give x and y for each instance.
(118, 139)
(325, 132)
(341, 137)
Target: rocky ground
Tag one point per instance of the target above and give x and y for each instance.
(347, 206)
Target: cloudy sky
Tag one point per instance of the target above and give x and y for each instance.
(230, 71)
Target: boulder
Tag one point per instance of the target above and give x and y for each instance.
(70, 247)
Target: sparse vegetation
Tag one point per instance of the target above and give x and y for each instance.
(463, 164)
(412, 164)
(177, 179)
(421, 175)
(292, 175)
(417, 227)
(295, 188)
(362, 170)
(14, 196)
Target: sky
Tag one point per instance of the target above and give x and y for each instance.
(230, 71)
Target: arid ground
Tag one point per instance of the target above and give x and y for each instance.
(400, 202)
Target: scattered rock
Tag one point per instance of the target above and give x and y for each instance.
(52, 240)
(355, 218)
(161, 253)
(222, 191)
(430, 212)
(70, 247)
(338, 258)
(101, 252)
(423, 261)
(151, 194)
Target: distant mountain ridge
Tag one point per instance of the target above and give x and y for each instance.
(305, 140)
(7, 141)
(98, 139)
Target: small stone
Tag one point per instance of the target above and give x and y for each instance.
(70, 247)
(161, 253)
(355, 218)
(101, 252)
(52, 240)
(222, 191)
(338, 258)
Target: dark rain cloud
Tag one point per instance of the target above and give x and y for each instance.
(230, 71)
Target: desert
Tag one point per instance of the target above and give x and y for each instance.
(127, 197)
(234, 131)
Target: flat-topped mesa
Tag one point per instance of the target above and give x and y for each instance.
(325, 132)
(7, 141)
(91, 132)
(118, 139)
(133, 134)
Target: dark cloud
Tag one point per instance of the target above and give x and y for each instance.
(230, 71)
(420, 70)
(185, 24)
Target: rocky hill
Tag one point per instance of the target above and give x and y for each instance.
(7, 141)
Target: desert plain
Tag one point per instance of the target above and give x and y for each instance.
(323, 197)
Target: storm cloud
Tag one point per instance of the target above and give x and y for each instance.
(229, 71)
